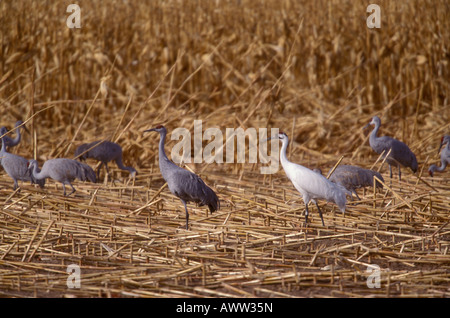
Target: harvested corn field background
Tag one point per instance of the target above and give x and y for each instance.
(313, 69)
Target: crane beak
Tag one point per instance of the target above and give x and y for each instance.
(151, 129)
(26, 129)
(365, 127)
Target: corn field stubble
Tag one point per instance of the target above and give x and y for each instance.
(312, 69)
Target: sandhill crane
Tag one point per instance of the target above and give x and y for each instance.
(311, 185)
(10, 142)
(187, 186)
(400, 154)
(63, 170)
(16, 166)
(445, 156)
(103, 151)
(354, 177)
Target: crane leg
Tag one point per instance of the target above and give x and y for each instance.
(98, 171)
(320, 213)
(64, 187)
(187, 215)
(73, 189)
(306, 214)
(399, 174)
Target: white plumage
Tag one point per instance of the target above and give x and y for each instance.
(310, 184)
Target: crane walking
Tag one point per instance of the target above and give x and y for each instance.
(62, 170)
(187, 186)
(354, 177)
(16, 166)
(445, 156)
(400, 154)
(103, 151)
(310, 184)
(10, 142)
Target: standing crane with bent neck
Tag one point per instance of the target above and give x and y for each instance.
(103, 151)
(445, 156)
(187, 186)
(63, 170)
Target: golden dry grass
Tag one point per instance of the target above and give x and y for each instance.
(312, 69)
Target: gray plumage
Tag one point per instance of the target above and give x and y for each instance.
(11, 142)
(400, 154)
(187, 186)
(103, 151)
(62, 170)
(353, 177)
(16, 166)
(445, 156)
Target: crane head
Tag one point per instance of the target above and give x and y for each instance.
(281, 135)
(81, 152)
(31, 163)
(158, 128)
(375, 120)
(22, 125)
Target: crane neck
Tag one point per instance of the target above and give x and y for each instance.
(120, 164)
(164, 162)
(3, 148)
(373, 134)
(36, 171)
(283, 156)
(16, 140)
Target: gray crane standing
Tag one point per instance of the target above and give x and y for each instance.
(400, 154)
(445, 156)
(354, 177)
(62, 170)
(103, 151)
(10, 142)
(16, 166)
(187, 186)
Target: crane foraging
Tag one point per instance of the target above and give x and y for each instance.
(354, 177)
(10, 142)
(187, 186)
(400, 154)
(103, 151)
(62, 170)
(311, 185)
(16, 166)
(445, 156)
